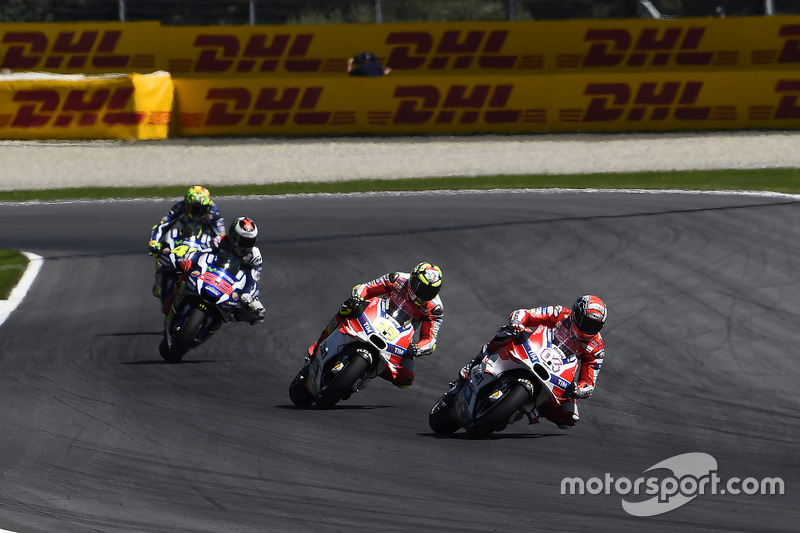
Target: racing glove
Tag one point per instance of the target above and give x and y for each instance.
(155, 247)
(515, 328)
(412, 351)
(351, 303)
(573, 391)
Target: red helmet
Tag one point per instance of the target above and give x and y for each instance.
(589, 315)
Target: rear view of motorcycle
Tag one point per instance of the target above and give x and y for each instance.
(372, 342)
(505, 386)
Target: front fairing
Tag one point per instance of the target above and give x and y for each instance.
(386, 339)
(181, 243)
(217, 280)
(536, 362)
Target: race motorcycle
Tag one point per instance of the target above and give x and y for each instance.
(205, 296)
(177, 245)
(372, 340)
(506, 385)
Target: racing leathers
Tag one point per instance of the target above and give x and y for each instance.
(211, 224)
(426, 317)
(589, 350)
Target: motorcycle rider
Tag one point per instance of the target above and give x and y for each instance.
(195, 212)
(413, 296)
(577, 332)
(240, 241)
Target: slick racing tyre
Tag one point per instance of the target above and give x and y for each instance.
(340, 384)
(185, 338)
(298, 392)
(494, 416)
(439, 418)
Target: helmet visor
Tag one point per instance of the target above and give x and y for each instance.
(589, 326)
(197, 210)
(422, 292)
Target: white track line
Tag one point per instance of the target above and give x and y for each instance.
(19, 292)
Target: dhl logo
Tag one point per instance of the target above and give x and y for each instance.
(787, 108)
(656, 47)
(418, 104)
(39, 108)
(651, 47)
(647, 101)
(26, 50)
(453, 49)
(260, 53)
(411, 51)
(237, 105)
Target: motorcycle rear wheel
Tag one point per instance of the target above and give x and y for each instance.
(342, 383)
(496, 416)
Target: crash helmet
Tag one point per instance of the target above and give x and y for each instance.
(588, 315)
(424, 283)
(198, 202)
(241, 236)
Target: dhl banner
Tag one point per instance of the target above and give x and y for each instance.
(484, 48)
(53, 106)
(511, 104)
(460, 48)
(85, 48)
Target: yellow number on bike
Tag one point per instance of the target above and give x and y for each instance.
(388, 330)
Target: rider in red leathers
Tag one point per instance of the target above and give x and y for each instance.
(413, 297)
(577, 332)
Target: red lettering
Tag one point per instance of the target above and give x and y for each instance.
(791, 48)
(450, 43)
(427, 96)
(219, 115)
(268, 101)
(598, 55)
(400, 58)
(597, 110)
(208, 61)
(15, 57)
(787, 106)
(27, 116)
(107, 45)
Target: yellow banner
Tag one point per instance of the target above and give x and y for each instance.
(480, 48)
(53, 106)
(512, 104)
(85, 48)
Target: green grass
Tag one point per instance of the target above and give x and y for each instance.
(12, 266)
(779, 180)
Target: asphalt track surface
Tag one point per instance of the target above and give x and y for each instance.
(98, 434)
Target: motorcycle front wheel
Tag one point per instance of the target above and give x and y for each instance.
(298, 392)
(354, 368)
(185, 338)
(439, 418)
(494, 416)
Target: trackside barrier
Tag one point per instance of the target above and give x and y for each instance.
(447, 78)
(508, 104)
(485, 48)
(462, 48)
(69, 106)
